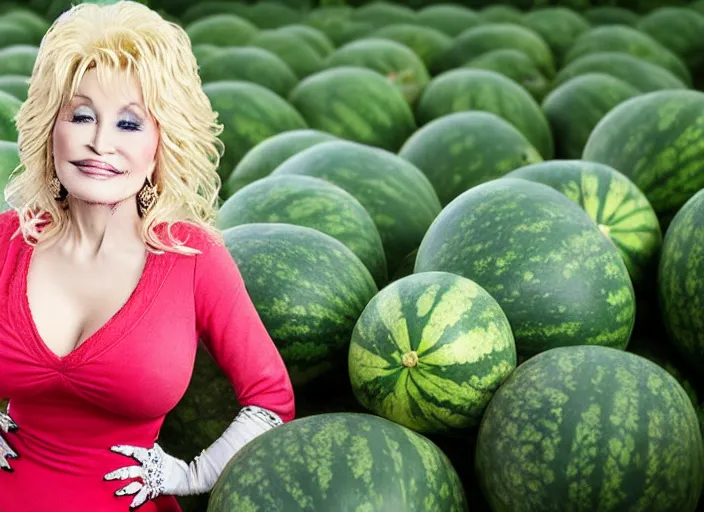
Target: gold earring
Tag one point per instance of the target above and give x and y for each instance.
(57, 189)
(146, 197)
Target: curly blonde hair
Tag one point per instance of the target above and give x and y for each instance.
(130, 38)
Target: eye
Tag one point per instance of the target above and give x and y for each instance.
(79, 118)
(130, 126)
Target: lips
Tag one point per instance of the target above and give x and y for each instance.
(96, 165)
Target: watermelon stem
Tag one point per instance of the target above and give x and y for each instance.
(410, 359)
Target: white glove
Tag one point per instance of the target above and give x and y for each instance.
(163, 474)
(6, 451)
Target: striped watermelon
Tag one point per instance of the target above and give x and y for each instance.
(557, 277)
(613, 202)
(558, 26)
(517, 66)
(450, 19)
(610, 15)
(339, 461)
(428, 43)
(315, 38)
(16, 85)
(308, 288)
(296, 52)
(18, 59)
(429, 351)
(221, 30)
(679, 30)
(590, 428)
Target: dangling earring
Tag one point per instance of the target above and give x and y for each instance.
(146, 197)
(57, 189)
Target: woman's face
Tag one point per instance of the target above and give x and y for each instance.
(104, 141)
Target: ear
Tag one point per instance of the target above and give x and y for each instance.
(151, 171)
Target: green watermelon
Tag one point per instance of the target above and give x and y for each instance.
(9, 160)
(461, 150)
(266, 156)
(574, 108)
(394, 60)
(480, 89)
(517, 66)
(315, 38)
(310, 202)
(250, 114)
(654, 139)
(681, 292)
(334, 21)
(501, 13)
(18, 60)
(308, 288)
(679, 30)
(639, 73)
(15, 85)
(429, 351)
(610, 15)
(11, 34)
(209, 8)
(558, 26)
(249, 64)
(221, 30)
(613, 202)
(30, 21)
(559, 280)
(494, 36)
(383, 182)
(380, 14)
(291, 48)
(451, 19)
(204, 51)
(624, 39)
(330, 101)
(427, 43)
(9, 106)
(271, 15)
(590, 428)
(342, 462)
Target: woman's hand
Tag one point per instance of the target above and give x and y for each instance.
(6, 451)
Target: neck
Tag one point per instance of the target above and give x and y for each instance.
(95, 228)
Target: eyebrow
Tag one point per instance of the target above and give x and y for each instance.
(133, 103)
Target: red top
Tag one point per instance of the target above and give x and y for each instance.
(118, 385)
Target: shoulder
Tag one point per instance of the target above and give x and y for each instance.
(9, 224)
(190, 235)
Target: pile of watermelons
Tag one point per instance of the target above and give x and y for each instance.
(476, 235)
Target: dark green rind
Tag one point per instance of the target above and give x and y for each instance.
(590, 428)
(221, 30)
(250, 114)
(310, 202)
(393, 60)
(613, 202)
(18, 60)
(480, 89)
(463, 342)
(494, 36)
(557, 278)
(300, 55)
(461, 150)
(679, 30)
(576, 107)
(331, 101)
(381, 14)
(249, 64)
(681, 280)
(346, 462)
(427, 43)
(517, 66)
(621, 38)
(266, 156)
(450, 19)
(383, 182)
(610, 15)
(315, 38)
(655, 139)
(308, 288)
(641, 74)
(558, 26)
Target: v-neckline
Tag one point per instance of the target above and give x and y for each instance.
(90, 341)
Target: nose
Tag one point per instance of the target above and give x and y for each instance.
(102, 142)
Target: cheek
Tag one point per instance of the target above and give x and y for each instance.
(61, 140)
(147, 150)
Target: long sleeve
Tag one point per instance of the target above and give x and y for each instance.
(234, 335)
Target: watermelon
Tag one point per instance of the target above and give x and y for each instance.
(681, 292)
(266, 156)
(308, 288)
(610, 15)
(679, 30)
(517, 66)
(311, 202)
(13, 34)
(30, 21)
(18, 60)
(559, 280)
(250, 113)
(209, 8)
(624, 39)
(394, 60)
(271, 15)
(429, 351)
(9, 106)
(450, 19)
(291, 48)
(221, 30)
(461, 150)
(343, 462)
(653, 139)
(380, 14)
(9, 160)
(316, 39)
(590, 428)
(205, 51)
(480, 89)
(427, 43)
(249, 64)
(558, 26)
(330, 101)
(639, 73)
(335, 23)
(501, 13)
(613, 202)
(485, 38)
(15, 85)
(383, 182)
(574, 108)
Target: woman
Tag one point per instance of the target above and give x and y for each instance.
(111, 271)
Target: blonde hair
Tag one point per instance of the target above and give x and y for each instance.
(128, 37)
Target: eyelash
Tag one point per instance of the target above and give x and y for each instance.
(131, 126)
